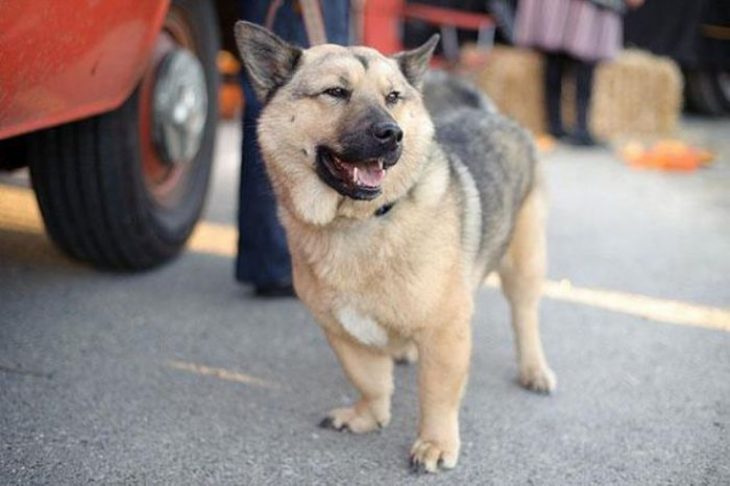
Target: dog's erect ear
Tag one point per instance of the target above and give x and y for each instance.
(414, 63)
(269, 60)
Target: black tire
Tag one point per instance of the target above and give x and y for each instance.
(89, 181)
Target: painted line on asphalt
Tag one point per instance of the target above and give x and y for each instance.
(214, 239)
(660, 310)
(221, 373)
(19, 212)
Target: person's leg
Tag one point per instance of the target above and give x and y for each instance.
(583, 87)
(288, 23)
(263, 257)
(554, 65)
(336, 15)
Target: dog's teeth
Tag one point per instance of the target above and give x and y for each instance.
(354, 174)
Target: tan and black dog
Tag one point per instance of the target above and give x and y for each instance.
(396, 207)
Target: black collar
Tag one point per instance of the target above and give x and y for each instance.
(383, 210)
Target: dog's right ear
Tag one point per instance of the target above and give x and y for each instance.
(269, 60)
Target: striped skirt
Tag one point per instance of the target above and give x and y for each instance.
(575, 27)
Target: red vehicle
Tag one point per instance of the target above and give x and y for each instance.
(112, 105)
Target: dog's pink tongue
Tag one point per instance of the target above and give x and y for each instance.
(370, 175)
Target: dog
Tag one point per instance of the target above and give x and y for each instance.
(396, 207)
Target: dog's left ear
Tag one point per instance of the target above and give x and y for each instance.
(414, 63)
(269, 60)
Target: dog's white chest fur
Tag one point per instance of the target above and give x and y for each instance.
(362, 327)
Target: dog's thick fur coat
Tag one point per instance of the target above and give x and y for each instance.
(396, 207)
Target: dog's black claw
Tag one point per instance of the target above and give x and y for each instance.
(402, 361)
(327, 423)
(417, 467)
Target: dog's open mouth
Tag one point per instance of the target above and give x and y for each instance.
(358, 180)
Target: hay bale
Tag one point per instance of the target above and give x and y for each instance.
(635, 94)
(512, 78)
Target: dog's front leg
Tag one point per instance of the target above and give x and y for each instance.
(444, 366)
(371, 372)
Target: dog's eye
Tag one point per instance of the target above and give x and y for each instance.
(339, 93)
(392, 97)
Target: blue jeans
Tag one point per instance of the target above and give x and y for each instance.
(263, 256)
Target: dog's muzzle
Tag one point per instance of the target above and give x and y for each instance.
(359, 168)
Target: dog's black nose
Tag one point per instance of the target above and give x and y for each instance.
(388, 133)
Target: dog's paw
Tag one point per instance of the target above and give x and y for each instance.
(540, 379)
(430, 456)
(351, 420)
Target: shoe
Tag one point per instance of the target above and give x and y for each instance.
(275, 290)
(558, 133)
(582, 138)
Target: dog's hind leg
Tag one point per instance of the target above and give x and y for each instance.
(371, 372)
(522, 272)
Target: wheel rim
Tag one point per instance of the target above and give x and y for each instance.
(180, 105)
(173, 111)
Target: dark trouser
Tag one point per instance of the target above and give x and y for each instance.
(555, 65)
(263, 256)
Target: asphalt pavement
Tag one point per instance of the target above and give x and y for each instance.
(180, 376)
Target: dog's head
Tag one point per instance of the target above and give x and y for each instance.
(343, 130)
